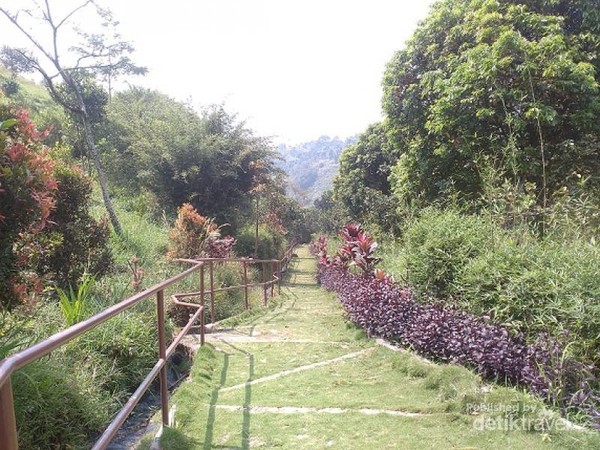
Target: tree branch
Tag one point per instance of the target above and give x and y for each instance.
(68, 16)
(27, 34)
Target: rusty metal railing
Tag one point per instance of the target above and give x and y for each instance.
(12, 363)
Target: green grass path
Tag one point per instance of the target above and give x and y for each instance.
(298, 376)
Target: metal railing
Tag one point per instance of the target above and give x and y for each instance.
(12, 363)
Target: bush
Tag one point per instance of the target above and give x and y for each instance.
(75, 242)
(439, 244)
(59, 406)
(271, 243)
(195, 236)
(548, 366)
(27, 190)
(125, 349)
(229, 303)
(537, 287)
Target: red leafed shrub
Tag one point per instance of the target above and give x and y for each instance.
(318, 247)
(27, 187)
(219, 248)
(195, 236)
(357, 250)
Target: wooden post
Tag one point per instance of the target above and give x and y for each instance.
(202, 318)
(246, 285)
(8, 423)
(212, 292)
(162, 354)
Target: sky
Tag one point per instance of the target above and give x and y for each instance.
(293, 70)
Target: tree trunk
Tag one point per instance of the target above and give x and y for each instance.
(89, 137)
(256, 235)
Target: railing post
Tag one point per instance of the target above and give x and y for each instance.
(280, 276)
(202, 318)
(272, 279)
(162, 354)
(212, 292)
(246, 285)
(8, 423)
(264, 279)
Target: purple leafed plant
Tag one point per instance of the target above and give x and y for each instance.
(384, 309)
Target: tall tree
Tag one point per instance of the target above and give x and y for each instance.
(164, 147)
(510, 86)
(105, 55)
(362, 184)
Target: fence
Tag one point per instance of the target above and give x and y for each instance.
(271, 275)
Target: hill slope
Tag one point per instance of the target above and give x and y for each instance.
(311, 166)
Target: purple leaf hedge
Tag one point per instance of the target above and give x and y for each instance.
(384, 309)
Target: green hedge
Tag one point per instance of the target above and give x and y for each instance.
(439, 244)
(271, 243)
(531, 285)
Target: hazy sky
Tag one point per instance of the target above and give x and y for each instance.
(294, 70)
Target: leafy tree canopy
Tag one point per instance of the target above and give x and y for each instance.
(362, 184)
(507, 84)
(165, 147)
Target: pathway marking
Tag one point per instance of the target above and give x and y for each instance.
(296, 370)
(310, 410)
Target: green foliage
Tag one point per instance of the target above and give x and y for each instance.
(74, 303)
(439, 244)
(27, 189)
(58, 406)
(77, 243)
(537, 287)
(162, 146)
(124, 350)
(271, 243)
(228, 303)
(362, 185)
(513, 84)
(328, 213)
(12, 337)
(298, 222)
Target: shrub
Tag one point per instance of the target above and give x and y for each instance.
(447, 334)
(58, 406)
(537, 287)
(74, 303)
(75, 243)
(219, 248)
(271, 243)
(229, 303)
(27, 188)
(444, 332)
(439, 243)
(125, 349)
(195, 236)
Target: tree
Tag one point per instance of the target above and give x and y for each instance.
(508, 85)
(362, 184)
(165, 147)
(97, 55)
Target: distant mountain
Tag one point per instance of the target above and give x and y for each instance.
(311, 166)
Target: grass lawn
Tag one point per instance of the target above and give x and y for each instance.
(300, 377)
